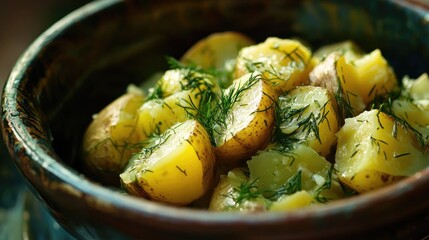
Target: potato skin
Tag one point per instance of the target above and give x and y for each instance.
(178, 171)
(109, 140)
(251, 123)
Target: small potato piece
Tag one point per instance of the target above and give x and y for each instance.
(347, 48)
(413, 104)
(374, 76)
(175, 91)
(249, 120)
(177, 170)
(284, 63)
(374, 150)
(294, 201)
(217, 51)
(236, 193)
(109, 139)
(273, 169)
(308, 114)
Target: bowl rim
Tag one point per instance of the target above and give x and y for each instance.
(343, 208)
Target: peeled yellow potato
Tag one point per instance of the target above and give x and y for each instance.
(284, 63)
(346, 48)
(308, 115)
(277, 173)
(248, 122)
(111, 138)
(374, 150)
(294, 201)
(177, 170)
(374, 76)
(413, 104)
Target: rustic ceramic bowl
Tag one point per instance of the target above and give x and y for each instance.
(88, 58)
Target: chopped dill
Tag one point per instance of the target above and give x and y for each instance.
(246, 191)
(292, 185)
(325, 186)
(343, 97)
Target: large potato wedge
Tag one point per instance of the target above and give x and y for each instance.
(111, 138)
(248, 124)
(308, 115)
(374, 150)
(177, 170)
(284, 63)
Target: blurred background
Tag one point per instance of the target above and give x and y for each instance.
(21, 21)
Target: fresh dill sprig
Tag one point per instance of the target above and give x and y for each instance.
(325, 186)
(223, 77)
(342, 97)
(385, 105)
(213, 110)
(292, 185)
(246, 191)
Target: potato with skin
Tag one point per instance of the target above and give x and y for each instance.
(177, 170)
(355, 82)
(284, 63)
(111, 138)
(308, 115)
(375, 150)
(248, 122)
(218, 52)
(338, 77)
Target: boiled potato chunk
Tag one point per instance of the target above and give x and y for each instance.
(111, 138)
(177, 170)
(339, 77)
(308, 115)
(284, 63)
(374, 150)
(217, 52)
(413, 104)
(274, 171)
(236, 193)
(248, 122)
(347, 48)
(374, 76)
(169, 101)
(356, 83)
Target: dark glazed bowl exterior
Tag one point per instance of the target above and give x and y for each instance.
(88, 58)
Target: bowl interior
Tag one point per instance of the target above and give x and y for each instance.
(86, 60)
